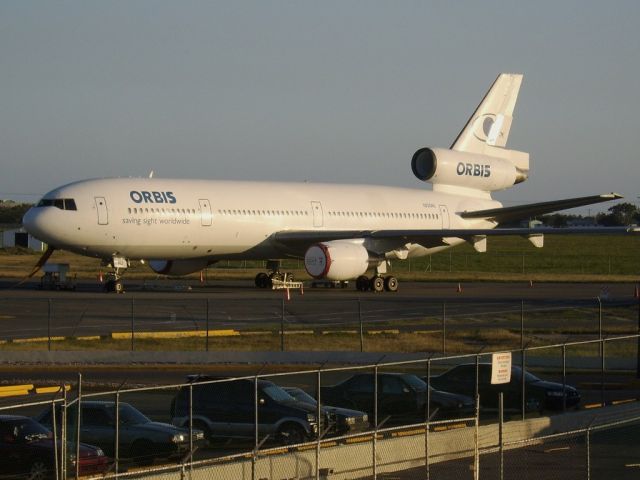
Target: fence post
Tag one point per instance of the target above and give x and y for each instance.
(588, 448)
(54, 428)
(361, 326)
(476, 448)
(638, 342)
(564, 378)
(522, 324)
(206, 345)
(427, 419)
(256, 446)
(318, 419)
(133, 316)
(190, 429)
(78, 418)
(522, 382)
(63, 435)
(602, 371)
(375, 421)
(116, 446)
(444, 328)
(500, 433)
(282, 328)
(49, 314)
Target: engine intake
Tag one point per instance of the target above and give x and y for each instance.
(337, 260)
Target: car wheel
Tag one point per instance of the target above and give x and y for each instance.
(142, 452)
(291, 434)
(38, 470)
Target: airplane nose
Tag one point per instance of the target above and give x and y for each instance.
(36, 222)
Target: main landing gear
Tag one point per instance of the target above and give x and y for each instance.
(265, 280)
(377, 283)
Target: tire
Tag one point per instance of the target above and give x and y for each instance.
(291, 434)
(391, 284)
(377, 284)
(362, 283)
(261, 280)
(142, 452)
(38, 470)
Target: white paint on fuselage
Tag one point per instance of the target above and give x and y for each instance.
(243, 216)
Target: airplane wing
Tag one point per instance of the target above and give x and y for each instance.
(390, 239)
(521, 212)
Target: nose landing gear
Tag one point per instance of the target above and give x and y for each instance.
(114, 283)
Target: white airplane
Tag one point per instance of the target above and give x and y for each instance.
(342, 231)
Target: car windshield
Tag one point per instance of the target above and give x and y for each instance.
(302, 396)
(278, 394)
(131, 416)
(417, 383)
(516, 372)
(29, 430)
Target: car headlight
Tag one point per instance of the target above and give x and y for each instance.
(72, 459)
(554, 393)
(365, 418)
(311, 418)
(99, 452)
(350, 420)
(199, 435)
(178, 438)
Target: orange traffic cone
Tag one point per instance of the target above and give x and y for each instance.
(459, 290)
(100, 276)
(201, 276)
(530, 283)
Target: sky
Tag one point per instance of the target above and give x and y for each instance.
(331, 91)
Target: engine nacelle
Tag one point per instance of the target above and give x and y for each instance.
(470, 170)
(337, 260)
(178, 267)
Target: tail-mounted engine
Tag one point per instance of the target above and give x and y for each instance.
(470, 170)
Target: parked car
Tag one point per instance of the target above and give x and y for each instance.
(539, 394)
(140, 439)
(225, 409)
(27, 450)
(401, 396)
(340, 421)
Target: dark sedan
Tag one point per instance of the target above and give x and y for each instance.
(401, 397)
(27, 450)
(140, 439)
(341, 421)
(539, 394)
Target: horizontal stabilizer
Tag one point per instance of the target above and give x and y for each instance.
(523, 212)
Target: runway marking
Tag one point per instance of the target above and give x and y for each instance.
(6, 317)
(632, 465)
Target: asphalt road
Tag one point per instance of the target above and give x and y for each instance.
(28, 312)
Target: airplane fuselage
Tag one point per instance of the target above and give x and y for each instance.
(153, 218)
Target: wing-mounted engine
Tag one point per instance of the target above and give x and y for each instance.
(475, 171)
(337, 260)
(178, 267)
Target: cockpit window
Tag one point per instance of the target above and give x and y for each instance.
(61, 203)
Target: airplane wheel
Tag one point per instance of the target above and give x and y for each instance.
(377, 284)
(262, 280)
(362, 283)
(391, 284)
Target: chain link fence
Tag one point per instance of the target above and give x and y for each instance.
(372, 421)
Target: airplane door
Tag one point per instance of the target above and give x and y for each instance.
(444, 215)
(103, 214)
(205, 212)
(316, 207)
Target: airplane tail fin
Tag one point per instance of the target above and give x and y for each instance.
(490, 124)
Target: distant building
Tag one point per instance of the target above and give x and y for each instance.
(20, 238)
